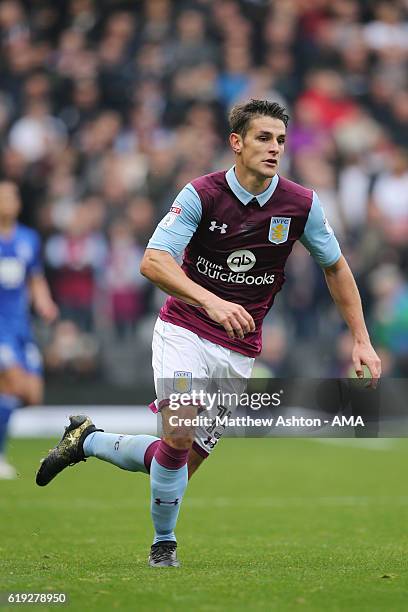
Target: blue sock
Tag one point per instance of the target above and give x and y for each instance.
(126, 452)
(7, 405)
(167, 489)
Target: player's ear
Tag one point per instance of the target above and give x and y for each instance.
(235, 142)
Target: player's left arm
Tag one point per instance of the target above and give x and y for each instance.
(344, 291)
(40, 294)
(319, 239)
(41, 299)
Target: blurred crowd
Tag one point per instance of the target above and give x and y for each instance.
(108, 108)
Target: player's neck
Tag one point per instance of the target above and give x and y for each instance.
(7, 227)
(253, 183)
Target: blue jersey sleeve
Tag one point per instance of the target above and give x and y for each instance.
(34, 265)
(318, 237)
(175, 230)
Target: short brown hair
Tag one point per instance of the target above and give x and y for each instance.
(241, 114)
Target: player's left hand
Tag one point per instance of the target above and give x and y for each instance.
(363, 354)
(48, 311)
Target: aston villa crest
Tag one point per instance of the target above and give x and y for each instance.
(279, 229)
(182, 381)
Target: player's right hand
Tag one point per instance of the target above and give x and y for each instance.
(234, 318)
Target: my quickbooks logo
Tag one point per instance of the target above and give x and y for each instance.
(239, 262)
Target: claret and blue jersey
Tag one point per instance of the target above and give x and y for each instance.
(236, 245)
(19, 260)
(317, 236)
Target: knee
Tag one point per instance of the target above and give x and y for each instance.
(179, 438)
(34, 390)
(28, 388)
(34, 397)
(178, 427)
(8, 387)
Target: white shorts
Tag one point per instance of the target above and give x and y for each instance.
(182, 361)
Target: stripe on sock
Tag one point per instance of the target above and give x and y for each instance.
(150, 453)
(169, 457)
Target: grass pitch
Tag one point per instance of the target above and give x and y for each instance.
(284, 524)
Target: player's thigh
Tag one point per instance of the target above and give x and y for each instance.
(34, 385)
(25, 385)
(231, 377)
(229, 380)
(230, 372)
(13, 382)
(238, 367)
(11, 367)
(179, 362)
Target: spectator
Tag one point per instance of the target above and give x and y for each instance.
(37, 134)
(190, 47)
(390, 198)
(124, 283)
(390, 315)
(76, 257)
(71, 350)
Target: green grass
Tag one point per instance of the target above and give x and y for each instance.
(284, 524)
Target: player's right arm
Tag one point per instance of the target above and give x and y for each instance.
(160, 266)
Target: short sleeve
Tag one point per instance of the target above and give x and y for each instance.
(318, 237)
(176, 229)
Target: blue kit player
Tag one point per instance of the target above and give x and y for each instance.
(22, 283)
(235, 228)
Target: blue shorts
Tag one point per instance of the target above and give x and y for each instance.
(20, 351)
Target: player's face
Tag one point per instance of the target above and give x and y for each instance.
(9, 201)
(262, 146)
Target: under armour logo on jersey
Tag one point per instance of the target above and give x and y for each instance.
(214, 226)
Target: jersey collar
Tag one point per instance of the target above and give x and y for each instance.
(243, 195)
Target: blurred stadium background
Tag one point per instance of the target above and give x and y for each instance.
(107, 108)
